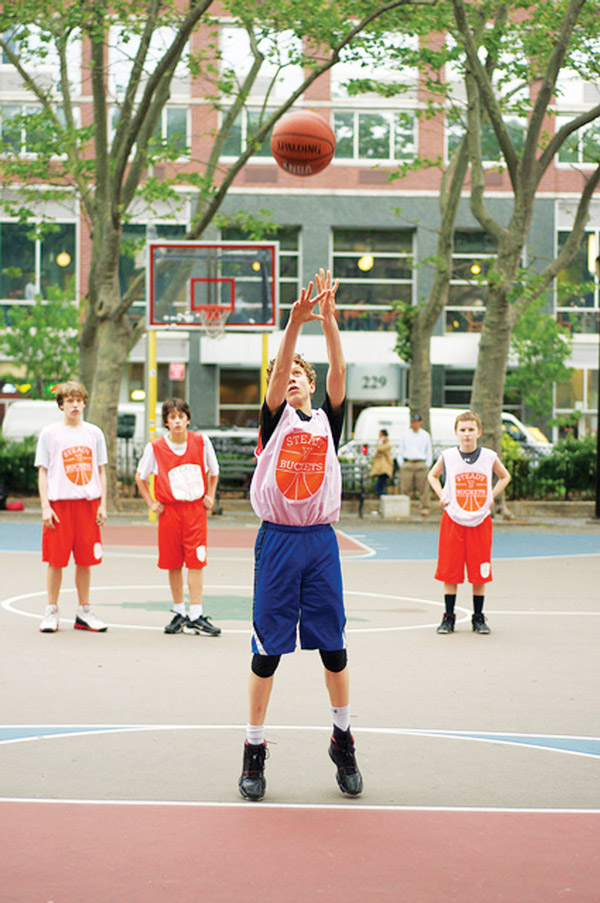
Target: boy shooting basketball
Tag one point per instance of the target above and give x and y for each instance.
(296, 491)
(465, 538)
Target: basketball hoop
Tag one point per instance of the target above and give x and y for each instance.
(213, 319)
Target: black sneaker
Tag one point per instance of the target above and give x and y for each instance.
(201, 625)
(348, 776)
(177, 624)
(479, 624)
(252, 781)
(447, 625)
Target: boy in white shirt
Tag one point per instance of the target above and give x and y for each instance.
(70, 457)
(465, 538)
(186, 475)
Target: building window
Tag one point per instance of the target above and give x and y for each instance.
(582, 146)
(375, 270)
(289, 263)
(457, 388)
(474, 253)
(385, 135)
(29, 266)
(244, 127)
(172, 132)
(239, 397)
(490, 149)
(579, 393)
(577, 297)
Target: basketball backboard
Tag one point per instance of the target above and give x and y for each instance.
(192, 284)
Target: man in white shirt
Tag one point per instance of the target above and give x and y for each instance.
(414, 458)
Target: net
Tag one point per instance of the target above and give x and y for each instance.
(213, 320)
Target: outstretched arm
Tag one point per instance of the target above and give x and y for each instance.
(302, 312)
(336, 374)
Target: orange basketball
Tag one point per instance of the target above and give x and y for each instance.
(300, 469)
(302, 143)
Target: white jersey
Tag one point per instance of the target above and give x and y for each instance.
(298, 480)
(468, 487)
(72, 456)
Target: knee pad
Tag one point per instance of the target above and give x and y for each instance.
(334, 661)
(264, 665)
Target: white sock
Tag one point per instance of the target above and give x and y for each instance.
(179, 608)
(341, 716)
(195, 611)
(255, 734)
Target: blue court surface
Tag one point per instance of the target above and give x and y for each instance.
(391, 544)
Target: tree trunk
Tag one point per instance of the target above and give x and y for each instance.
(490, 374)
(113, 344)
(420, 369)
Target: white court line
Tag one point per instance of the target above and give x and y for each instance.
(502, 738)
(350, 806)
(8, 605)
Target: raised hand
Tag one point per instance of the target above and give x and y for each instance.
(326, 293)
(303, 309)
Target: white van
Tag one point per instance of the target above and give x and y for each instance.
(396, 420)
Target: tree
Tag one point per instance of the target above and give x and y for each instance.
(41, 339)
(108, 161)
(541, 348)
(542, 39)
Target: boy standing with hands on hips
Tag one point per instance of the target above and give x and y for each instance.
(296, 491)
(465, 538)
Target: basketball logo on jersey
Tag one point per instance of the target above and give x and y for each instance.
(300, 469)
(77, 462)
(471, 490)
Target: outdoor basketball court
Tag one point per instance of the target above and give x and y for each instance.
(120, 752)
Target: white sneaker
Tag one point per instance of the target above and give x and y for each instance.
(49, 623)
(85, 619)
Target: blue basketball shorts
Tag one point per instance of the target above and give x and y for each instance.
(297, 589)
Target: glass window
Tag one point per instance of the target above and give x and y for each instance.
(132, 261)
(570, 393)
(58, 260)
(474, 254)
(375, 268)
(239, 397)
(17, 262)
(576, 293)
(383, 135)
(582, 146)
(244, 126)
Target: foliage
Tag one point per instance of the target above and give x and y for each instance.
(41, 338)
(17, 470)
(569, 472)
(541, 347)
(405, 317)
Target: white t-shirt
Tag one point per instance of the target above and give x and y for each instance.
(147, 463)
(72, 455)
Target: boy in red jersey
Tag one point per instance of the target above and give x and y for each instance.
(186, 476)
(465, 538)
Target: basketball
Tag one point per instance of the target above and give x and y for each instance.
(302, 143)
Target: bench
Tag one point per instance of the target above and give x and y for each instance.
(235, 477)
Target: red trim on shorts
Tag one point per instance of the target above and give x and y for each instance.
(182, 535)
(76, 532)
(461, 547)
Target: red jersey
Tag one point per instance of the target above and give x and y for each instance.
(180, 478)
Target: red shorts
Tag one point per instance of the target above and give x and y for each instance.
(182, 535)
(76, 531)
(460, 546)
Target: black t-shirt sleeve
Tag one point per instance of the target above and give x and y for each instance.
(336, 419)
(268, 422)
